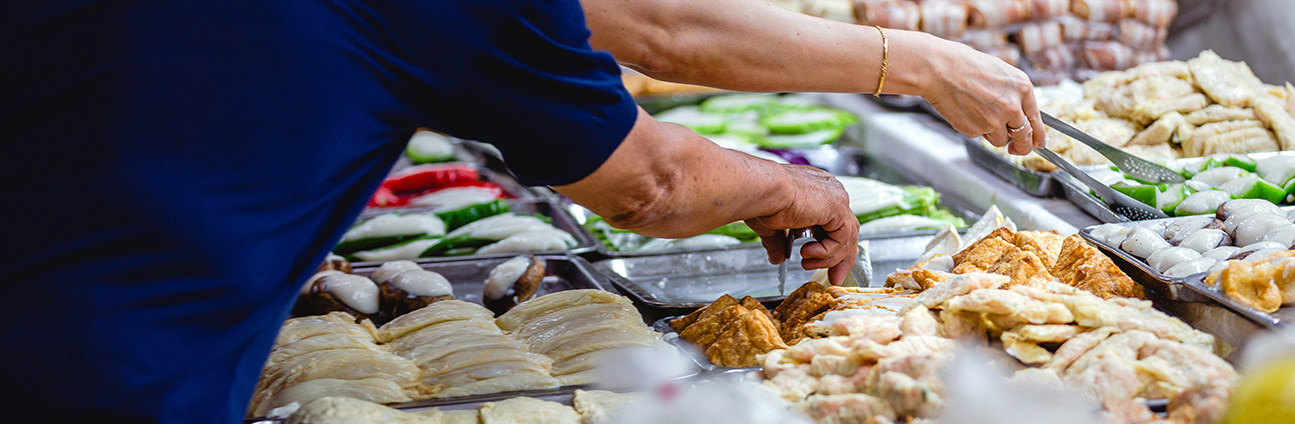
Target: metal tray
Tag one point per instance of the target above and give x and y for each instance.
(1034, 183)
(1166, 287)
(585, 242)
(1277, 319)
(698, 358)
(468, 277)
(692, 280)
(846, 161)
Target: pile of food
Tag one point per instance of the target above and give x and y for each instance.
(1210, 182)
(1029, 259)
(1052, 40)
(1162, 111)
(449, 348)
(1239, 229)
(587, 407)
(881, 208)
(475, 229)
(890, 367)
(732, 333)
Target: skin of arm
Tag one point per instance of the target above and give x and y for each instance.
(752, 45)
(666, 181)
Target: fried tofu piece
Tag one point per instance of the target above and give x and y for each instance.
(1277, 118)
(1024, 268)
(1045, 245)
(794, 300)
(984, 253)
(710, 327)
(1148, 112)
(749, 334)
(752, 304)
(714, 308)
(1219, 113)
(1226, 82)
(1082, 266)
(814, 304)
(1161, 131)
(1252, 284)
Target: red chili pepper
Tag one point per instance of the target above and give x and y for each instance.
(385, 198)
(431, 176)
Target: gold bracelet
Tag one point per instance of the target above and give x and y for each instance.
(885, 59)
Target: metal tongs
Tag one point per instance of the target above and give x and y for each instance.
(1134, 166)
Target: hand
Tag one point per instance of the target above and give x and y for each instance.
(981, 95)
(817, 200)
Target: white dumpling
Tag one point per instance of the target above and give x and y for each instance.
(1247, 207)
(1284, 235)
(1202, 202)
(1219, 176)
(1185, 269)
(1261, 255)
(1143, 242)
(1204, 240)
(1253, 229)
(1221, 253)
(1177, 230)
(1111, 234)
(1163, 260)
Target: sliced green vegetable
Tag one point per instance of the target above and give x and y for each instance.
(801, 121)
(919, 201)
(459, 217)
(1253, 187)
(738, 230)
(815, 138)
(1240, 161)
(734, 103)
(1209, 164)
(692, 117)
(1140, 192)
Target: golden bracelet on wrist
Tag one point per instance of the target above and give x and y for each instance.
(885, 58)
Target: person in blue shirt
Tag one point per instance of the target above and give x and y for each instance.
(176, 169)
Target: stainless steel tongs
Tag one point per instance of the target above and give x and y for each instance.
(1136, 167)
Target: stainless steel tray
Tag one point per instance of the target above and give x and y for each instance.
(468, 275)
(695, 279)
(663, 326)
(1166, 287)
(1034, 183)
(846, 161)
(1274, 320)
(585, 242)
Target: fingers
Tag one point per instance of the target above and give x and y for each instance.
(998, 136)
(1020, 132)
(1039, 133)
(774, 241)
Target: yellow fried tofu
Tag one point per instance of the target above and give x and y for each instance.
(710, 327)
(1045, 245)
(983, 254)
(715, 307)
(1024, 268)
(1083, 267)
(1252, 284)
(752, 304)
(794, 300)
(749, 334)
(814, 304)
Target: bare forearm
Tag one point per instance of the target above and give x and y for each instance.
(751, 45)
(667, 181)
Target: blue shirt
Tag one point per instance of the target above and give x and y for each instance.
(175, 170)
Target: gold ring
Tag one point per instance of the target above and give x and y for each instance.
(1016, 130)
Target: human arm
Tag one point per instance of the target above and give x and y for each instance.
(666, 181)
(751, 45)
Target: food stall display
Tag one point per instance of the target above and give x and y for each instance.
(1163, 111)
(449, 348)
(489, 228)
(753, 121)
(1051, 40)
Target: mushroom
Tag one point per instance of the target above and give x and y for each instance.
(513, 281)
(330, 291)
(404, 287)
